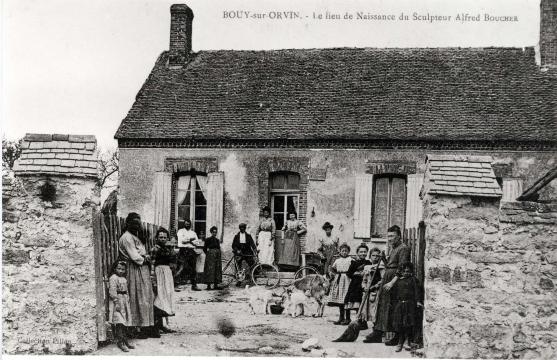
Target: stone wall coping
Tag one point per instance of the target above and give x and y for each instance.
(529, 206)
(58, 154)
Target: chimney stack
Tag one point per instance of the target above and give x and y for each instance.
(548, 33)
(181, 18)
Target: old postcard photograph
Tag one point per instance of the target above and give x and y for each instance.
(248, 178)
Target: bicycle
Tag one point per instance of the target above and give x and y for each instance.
(312, 269)
(259, 274)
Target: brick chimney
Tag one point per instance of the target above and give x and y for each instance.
(548, 33)
(181, 18)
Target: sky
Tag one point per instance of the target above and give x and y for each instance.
(75, 66)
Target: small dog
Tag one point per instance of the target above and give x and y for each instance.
(261, 298)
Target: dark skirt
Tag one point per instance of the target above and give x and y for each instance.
(404, 314)
(213, 267)
(355, 291)
(288, 249)
(140, 291)
(383, 316)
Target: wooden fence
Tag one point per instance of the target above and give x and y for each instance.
(415, 238)
(107, 230)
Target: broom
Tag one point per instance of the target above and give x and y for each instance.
(353, 330)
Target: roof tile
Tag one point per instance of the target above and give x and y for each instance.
(489, 94)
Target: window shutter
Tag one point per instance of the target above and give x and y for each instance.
(413, 202)
(512, 188)
(362, 206)
(163, 190)
(215, 200)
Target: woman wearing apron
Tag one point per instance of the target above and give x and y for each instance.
(265, 236)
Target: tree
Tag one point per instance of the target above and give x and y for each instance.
(11, 151)
(108, 168)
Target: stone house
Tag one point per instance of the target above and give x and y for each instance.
(336, 135)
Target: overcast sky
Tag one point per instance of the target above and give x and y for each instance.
(75, 66)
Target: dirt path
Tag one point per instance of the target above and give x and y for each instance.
(272, 335)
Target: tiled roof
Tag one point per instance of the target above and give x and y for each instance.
(69, 155)
(461, 175)
(491, 94)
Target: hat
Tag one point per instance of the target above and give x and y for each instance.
(242, 225)
(327, 225)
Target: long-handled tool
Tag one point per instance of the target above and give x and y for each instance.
(353, 330)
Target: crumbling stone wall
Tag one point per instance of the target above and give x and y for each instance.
(490, 278)
(48, 288)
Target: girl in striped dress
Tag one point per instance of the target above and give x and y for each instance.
(341, 281)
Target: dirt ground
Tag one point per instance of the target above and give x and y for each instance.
(258, 335)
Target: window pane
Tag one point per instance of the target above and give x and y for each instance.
(200, 198)
(278, 203)
(200, 213)
(183, 212)
(279, 220)
(381, 210)
(278, 181)
(186, 200)
(398, 202)
(199, 228)
(293, 181)
(292, 205)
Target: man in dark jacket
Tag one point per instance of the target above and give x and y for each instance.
(243, 247)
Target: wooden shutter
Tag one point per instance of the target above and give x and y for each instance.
(398, 202)
(512, 188)
(362, 206)
(215, 200)
(163, 190)
(381, 205)
(413, 202)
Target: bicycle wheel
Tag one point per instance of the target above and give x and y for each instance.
(228, 272)
(265, 275)
(305, 271)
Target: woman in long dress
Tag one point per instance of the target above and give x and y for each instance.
(288, 249)
(163, 255)
(213, 269)
(265, 235)
(140, 287)
(328, 248)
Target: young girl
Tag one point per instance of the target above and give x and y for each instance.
(340, 283)
(119, 305)
(355, 273)
(406, 297)
(163, 254)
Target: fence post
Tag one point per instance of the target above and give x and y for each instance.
(99, 281)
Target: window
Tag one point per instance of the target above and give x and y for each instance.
(191, 202)
(389, 203)
(285, 196)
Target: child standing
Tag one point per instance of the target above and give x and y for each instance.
(341, 282)
(119, 305)
(406, 297)
(355, 273)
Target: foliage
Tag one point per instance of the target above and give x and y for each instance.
(11, 151)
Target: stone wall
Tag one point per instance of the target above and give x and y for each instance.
(48, 288)
(490, 278)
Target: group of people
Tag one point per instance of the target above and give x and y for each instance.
(395, 294)
(137, 304)
(142, 283)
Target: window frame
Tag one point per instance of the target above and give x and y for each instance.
(192, 205)
(390, 176)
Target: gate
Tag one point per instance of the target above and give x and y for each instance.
(107, 229)
(415, 239)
